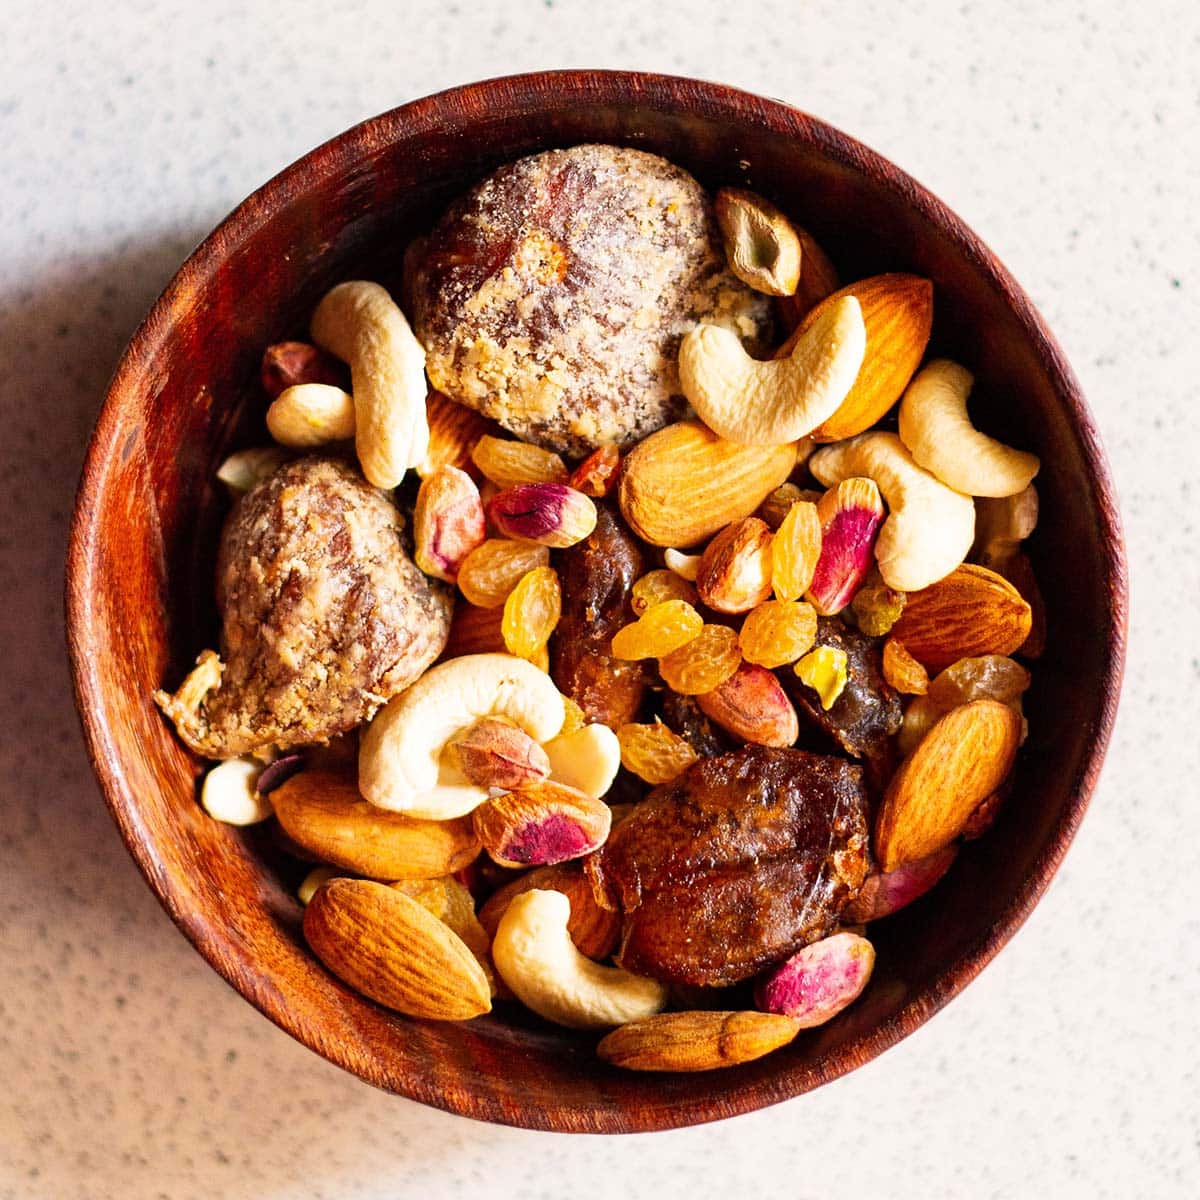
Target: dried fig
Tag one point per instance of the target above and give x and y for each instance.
(735, 865)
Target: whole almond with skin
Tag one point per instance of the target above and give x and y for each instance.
(449, 901)
(897, 311)
(963, 759)
(683, 483)
(593, 929)
(326, 815)
(387, 946)
(969, 613)
(696, 1041)
(453, 431)
(474, 630)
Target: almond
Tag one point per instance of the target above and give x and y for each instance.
(593, 929)
(475, 630)
(453, 431)
(325, 814)
(449, 901)
(971, 612)
(960, 761)
(683, 483)
(387, 946)
(696, 1041)
(897, 311)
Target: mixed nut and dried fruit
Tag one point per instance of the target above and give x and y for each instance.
(671, 669)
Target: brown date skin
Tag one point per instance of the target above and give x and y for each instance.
(867, 713)
(682, 715)
(597, 577)
(735, 865)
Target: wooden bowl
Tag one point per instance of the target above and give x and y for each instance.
(186, 391)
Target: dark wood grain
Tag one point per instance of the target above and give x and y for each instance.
(140, 563)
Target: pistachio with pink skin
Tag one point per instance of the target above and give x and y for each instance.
(541, 824)
(448, 522)
(884, 893)
(817, 982)
(496, 754)
(752, 705)
(551, 514)
(850, 513)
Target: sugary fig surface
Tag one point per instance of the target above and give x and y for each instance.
(553, 295)
(597, 577)
(735, 865)
(325, 616)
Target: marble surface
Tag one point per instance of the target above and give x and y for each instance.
(1066, 133)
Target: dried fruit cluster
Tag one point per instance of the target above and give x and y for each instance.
(676, 615)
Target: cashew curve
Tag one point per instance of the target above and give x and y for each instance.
(780, 400)
(535, 956)
(311, 414)
(362, 325)
(935, 427)
(930, 526)
(586, 759)
(401, 765)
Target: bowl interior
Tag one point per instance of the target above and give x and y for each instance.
(139, 578)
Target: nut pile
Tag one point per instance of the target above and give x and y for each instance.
(709, 701)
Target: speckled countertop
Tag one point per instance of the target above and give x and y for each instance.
(1066, 133)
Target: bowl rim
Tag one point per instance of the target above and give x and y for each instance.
(598, 86)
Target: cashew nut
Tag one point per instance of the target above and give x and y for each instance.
(311, 414)
(361, 324)
(780, 400)
(930, 526)
(401, 764)
(686, 566)
(229, 794)
(761, 246)
(535, 956)
(586, 759)
(244, 468)
(934, 425)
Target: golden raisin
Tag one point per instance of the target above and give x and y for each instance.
(778, 504)
(796, 551)
(507, 463)
(659, 630)
(490, 572)
(902, 671)
(659, 586)
(531, 612)
(778, 632)
(709, 659)
(876, 608)
(654, 752)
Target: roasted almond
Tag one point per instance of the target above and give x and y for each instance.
(475, 630)
(683, 483)
(960, 761)
(393, 950)
(971, 612)
(325, 814)
(818, 279)
(696, 1041)
(897, 311)
(593, 929)
(453, 431)
(450, 901)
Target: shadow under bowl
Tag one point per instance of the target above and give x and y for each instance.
(148, 513)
